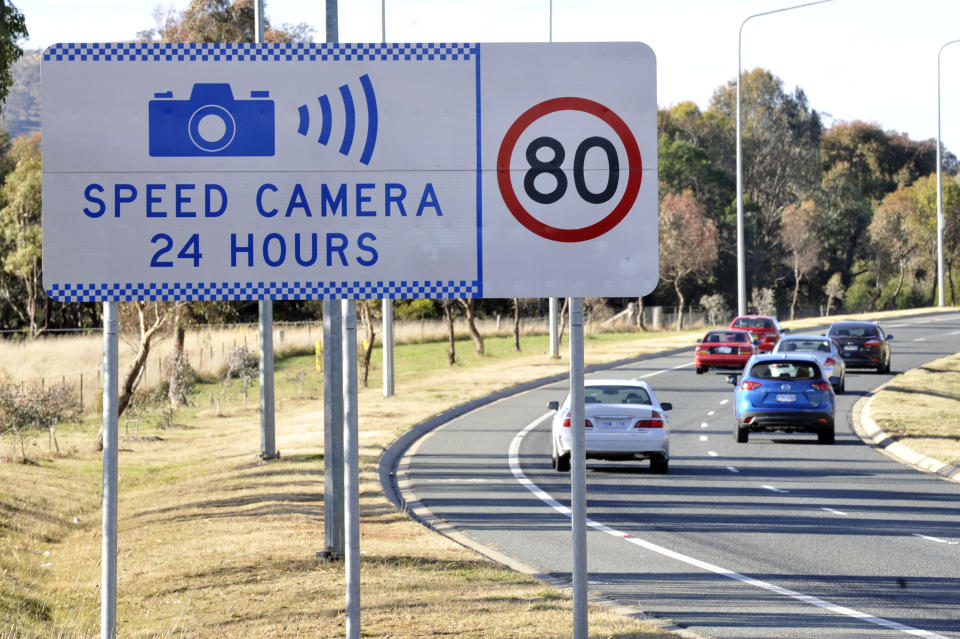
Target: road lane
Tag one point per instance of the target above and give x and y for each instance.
(841, 524)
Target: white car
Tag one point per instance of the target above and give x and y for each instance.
(623, 421)
(826, 352)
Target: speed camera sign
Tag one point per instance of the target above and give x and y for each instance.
(285, 171)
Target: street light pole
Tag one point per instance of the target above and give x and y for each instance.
(941, 294)
(741, 268)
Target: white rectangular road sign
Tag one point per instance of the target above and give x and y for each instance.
(293, 171)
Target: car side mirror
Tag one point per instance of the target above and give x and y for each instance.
(757, 342)
(666, 405)
(553, 405)
(785, 330)
(732, 380)
(889, 338)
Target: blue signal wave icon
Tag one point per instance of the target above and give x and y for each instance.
(350, 115)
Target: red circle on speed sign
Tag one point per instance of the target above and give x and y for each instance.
(622, 207)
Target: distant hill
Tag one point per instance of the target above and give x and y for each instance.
(21, 111)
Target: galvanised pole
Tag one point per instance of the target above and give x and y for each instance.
(941, 289)
(268, 448)
(578, 472)
(351, 469)
(108, 561)
(741, 260)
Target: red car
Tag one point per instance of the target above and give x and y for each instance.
(729, 348)
(762, 327)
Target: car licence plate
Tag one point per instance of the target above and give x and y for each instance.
(786, 397)
(850, 347)
(614, 424)
(724, 349)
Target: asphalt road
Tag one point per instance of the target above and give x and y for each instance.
(780, 537)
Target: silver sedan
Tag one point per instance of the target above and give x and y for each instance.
(826, 352)
(623, 421)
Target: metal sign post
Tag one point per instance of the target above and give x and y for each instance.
(333, 429)
(108, 566)
(578, 471)
(268, 447)
(351, 468)
(387, 347)
(554, 328)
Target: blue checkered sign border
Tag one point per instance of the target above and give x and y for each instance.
(127, 292)
(248, 52)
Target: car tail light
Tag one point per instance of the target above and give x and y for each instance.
(821, 386)
(655, 421)
(830, 361)
(586, 423)
(746, 349)
(873, 343)
(748, 385)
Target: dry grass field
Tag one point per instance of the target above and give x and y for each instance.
(215, 543)
(921, 409)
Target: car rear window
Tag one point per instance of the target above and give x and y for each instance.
(615, 395)
(785, 370)
(722, 336)
(853, 331)
(753, 323)
(806, 345)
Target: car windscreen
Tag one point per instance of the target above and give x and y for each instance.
(853, 331)
(785, 370)
(615, 395)
(805, 345)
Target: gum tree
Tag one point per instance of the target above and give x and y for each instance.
(688, 243)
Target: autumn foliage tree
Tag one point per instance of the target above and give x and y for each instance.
(688, 243)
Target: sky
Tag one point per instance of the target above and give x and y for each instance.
(870, 60)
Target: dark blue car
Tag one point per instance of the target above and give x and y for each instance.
(786, 393)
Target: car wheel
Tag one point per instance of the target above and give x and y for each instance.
(561, 463)
(742, 435)
(659, 464)
(843, 385)
(825, 434)
(701, 370)
(886, 367)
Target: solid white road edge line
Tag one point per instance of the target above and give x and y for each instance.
(514, 459)
(939, 541)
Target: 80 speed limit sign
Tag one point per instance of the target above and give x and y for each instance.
(574, 141)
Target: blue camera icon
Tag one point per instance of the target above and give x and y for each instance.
(212, 122)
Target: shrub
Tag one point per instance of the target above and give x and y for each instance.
(24, 408)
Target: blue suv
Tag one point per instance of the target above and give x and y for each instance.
(786, 393)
